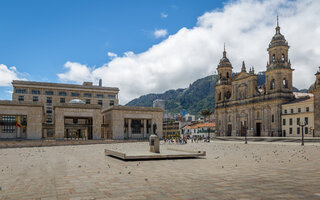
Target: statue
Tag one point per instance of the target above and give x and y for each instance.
(154, 142)
(154, 128)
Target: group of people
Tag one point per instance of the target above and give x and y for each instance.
(175, 140)
(184, 140)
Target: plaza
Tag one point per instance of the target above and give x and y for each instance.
(230, 170)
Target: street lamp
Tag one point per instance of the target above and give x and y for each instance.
(245, 133)
(302, 136)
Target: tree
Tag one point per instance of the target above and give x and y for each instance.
(205, 113)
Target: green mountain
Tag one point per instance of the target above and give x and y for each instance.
(198, 96)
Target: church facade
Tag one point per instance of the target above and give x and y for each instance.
(242, 108)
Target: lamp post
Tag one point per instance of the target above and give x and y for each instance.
(245, 132)
(302, 136)
(245, 135)
(208, 134)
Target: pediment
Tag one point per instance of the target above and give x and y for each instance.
(241, 75)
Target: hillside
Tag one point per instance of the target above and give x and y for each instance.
(198, 96)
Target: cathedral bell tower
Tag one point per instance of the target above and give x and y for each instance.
(279, 71)
(223, 85)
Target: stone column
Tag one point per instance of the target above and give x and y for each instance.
(129, 128)
(144, 128)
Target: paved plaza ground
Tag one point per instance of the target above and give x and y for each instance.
(231, 170)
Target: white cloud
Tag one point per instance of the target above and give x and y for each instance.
(247, 28)
(8, 74)
(112, 55)
(164, 15)
(76, 72)
(158, 33)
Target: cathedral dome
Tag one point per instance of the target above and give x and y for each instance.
(278, 39)
(224, 61)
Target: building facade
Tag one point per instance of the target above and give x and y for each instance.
(296, 112)
(41, 110)
(243, 108)
(315, 89)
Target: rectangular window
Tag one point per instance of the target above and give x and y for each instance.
(49, 92)
(9, 124)
(284, 122)
(299, 110)
(307, 109)
(290, 121)
(285, 111)
(88, 95)
(298, 120)
(111, 103)
(21, 91)
(99, 96)
(100, 102)
(62, 100)
(75, 120)
(75, 94)
(272, 118)
(49, 120)
(290, 130)
(291, 111)
(50, 132)
(87, 101)
(62, 93)
(49, 101)
(298, 130)
(49, 111)
(21, 98)
(306, 120)
(111, 96)
(35, 91)
(35, 98)
(306, 131)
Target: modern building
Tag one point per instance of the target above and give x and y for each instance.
(171, 128)
(241, 107)
(159, 103)
(296, 112)
(58, 111)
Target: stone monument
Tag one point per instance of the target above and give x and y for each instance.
(154, 142)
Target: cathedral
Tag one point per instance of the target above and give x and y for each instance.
(244, 108)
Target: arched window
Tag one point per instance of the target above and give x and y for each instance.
(285, 83)
(273, 57)
(219, 95)
(272, 84)
(272, 118)
(228, 95)
(227, 74)
(282, 58)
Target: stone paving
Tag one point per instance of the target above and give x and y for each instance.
(231, 170)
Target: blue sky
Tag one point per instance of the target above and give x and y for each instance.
(38, 37)
(149, 46)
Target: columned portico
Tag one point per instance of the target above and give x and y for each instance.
(133, 122)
